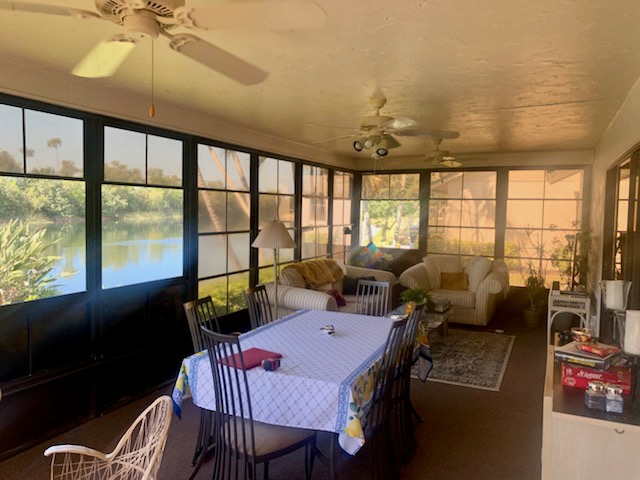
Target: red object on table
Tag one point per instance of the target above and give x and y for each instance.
(252, 358)
(579, 377)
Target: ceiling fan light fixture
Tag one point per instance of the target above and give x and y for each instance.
(358, 146)
(383, 146)
(142, 24)
(371, 141)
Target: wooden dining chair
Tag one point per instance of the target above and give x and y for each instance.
(201, 312)
(241, 442)
(372, 298)
(137, 456)
(376, 424)
(259, 306)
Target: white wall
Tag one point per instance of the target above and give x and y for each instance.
(622, 136)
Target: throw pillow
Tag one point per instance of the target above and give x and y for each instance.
(349, 285)
(477, 270)
(453, 281)
(340, 300)
(375, 254)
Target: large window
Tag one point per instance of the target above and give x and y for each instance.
(544, 214)
(462, 213)
(276, 198)
(341, 221)
(42, 205)
(390, 210)
(315, 211)
(142, 208)
(223, 226)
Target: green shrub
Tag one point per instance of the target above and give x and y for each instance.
(24, 268)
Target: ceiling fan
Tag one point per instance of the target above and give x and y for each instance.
(442, 158)
(378, 131)
(151, 18)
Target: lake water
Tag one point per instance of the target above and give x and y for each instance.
(131, 254)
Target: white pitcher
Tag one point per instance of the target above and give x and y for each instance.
(616, 293)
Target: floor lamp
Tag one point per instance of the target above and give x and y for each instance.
(276, 236)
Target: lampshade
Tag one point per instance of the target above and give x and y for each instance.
(274, 235)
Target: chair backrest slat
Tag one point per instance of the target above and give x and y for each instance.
(259, 306)
(233, 428)
(391, 358)
(200, 312)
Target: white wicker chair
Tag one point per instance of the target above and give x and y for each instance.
(136, 457)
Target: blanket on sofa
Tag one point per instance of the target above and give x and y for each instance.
(319, 272)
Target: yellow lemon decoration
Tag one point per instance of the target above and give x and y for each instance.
(354, 429)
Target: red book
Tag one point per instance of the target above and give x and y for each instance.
(252, 358)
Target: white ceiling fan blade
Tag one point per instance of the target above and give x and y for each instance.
(450, 163)
(391, 142)
(398, 124)
(104, 59)
(216, 59)
(47, 9)
(273, 15)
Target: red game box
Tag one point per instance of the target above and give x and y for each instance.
(579, 377)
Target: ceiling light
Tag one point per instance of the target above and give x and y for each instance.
(370, 141)
(383, 147)
(381, 151)
(357, 146)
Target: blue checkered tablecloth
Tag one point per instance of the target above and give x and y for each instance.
(325, 382)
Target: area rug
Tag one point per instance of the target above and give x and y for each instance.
(470, 359)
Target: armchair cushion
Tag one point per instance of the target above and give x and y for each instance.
(436, 264)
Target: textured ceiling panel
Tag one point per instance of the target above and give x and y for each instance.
(509, 76)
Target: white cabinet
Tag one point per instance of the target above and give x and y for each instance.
(582, 447)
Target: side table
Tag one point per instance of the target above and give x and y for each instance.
(431, 321)
(436, 322)
(570, 302)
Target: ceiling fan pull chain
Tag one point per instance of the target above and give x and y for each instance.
(152, 108)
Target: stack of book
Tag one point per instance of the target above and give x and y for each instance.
(592, 355)
(583, 362)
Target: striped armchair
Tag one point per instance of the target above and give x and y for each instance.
(294, 294)
(483, 285)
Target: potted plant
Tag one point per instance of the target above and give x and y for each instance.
(414, 296)
(536, 292)
(571, 257)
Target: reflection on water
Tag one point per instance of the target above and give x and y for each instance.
(131, 253)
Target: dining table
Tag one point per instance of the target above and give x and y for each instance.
(325, 381)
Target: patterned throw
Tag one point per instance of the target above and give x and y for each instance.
(319, 272)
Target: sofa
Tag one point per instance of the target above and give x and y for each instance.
(474, 290)
(297, 291)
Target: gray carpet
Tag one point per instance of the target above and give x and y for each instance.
(471, 359)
